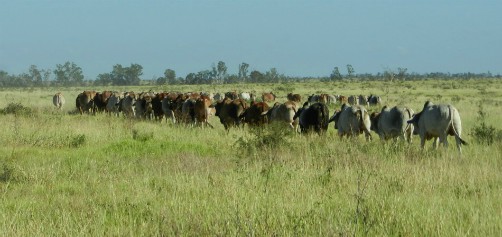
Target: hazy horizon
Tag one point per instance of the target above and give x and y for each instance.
(298, 38)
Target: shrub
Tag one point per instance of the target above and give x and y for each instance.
(484, 133)
(141, 136)
(273, 136)
(9, 172)
(77, 140)
(16, 109)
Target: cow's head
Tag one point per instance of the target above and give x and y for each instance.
(335, 118)
(414, 121)
(374, 117)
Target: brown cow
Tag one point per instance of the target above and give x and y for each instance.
(101, 100)
(169, 105)
(294, 97)
(158, 113)
(144, 107)
(268, 97)
(353, 100)
(229, 111)
(323, 98)
(202, 110)
(177, 107)
(85, 101)
(343, 99)
(232, 95)
(193, 95)
(254, 115)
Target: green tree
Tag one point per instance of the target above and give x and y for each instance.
(126, 75)
(46, 77)
(231, 79)
(272, 76)
(68, 74)
(170, 76)
(4, 78)
(243, 71)
(335, 75)
(204, 77)
(132, 74)
(256, 77)
(104, 79)
(401, 73)
(190, 78)
(221, 72)
(36, 76)
(161, 81)
(350, 71)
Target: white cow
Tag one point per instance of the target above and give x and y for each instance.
(284, 113)
(112, 105)
(58, 100)
(351, 121)
(437, 122)
(392, 123)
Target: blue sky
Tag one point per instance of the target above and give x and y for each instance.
(298, 38)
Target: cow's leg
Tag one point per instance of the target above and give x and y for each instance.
(435, 142)
(459, 144)
(444, 139)
(368, 135)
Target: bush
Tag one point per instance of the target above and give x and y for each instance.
(141, 136)
(271, 137)
(484, 133)
(9, 172)
(77, 140)
(16, 109)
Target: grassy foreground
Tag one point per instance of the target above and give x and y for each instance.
(70, 175)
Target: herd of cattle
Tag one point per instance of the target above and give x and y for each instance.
(235, 109)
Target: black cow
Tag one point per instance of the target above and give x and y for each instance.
(313, 118)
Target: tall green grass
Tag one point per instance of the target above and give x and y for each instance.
(64, 174)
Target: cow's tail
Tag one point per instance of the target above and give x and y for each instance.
(367, 131)
(409, 116)
(462, 141)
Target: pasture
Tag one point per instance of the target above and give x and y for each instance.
(63, 174)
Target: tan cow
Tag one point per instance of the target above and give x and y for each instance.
(268, 97)
(294, 97)
(58, 100)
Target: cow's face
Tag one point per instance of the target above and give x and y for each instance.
(374, 121)
(217, 108)
(335, 118)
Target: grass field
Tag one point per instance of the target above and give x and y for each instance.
(63, 174)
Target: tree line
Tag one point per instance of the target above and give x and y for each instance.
(70, 74)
